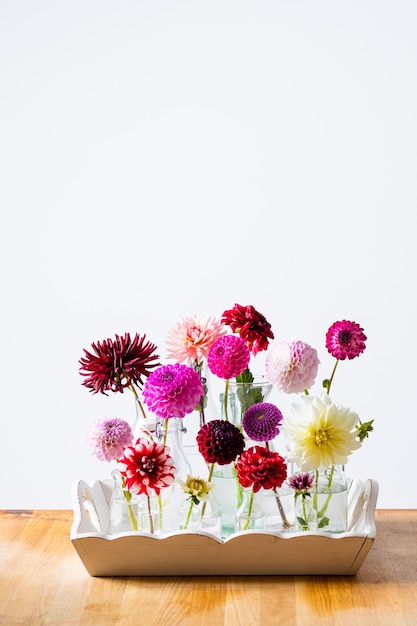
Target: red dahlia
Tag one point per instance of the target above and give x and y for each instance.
(250, 325)
(260, 468)
(118, 363)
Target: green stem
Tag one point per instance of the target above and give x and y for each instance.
(245, 527)
(130, 509)
(151, 526)
(332, 376)
(226, 391)
(307, 525)
(190, 508)
(210, 476)
(329, 495)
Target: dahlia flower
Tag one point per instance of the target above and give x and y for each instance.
(250, 325)
(228, 356)
(321, 433)
(261, 468)
(292, 365)
(108, 437)
(220, 442)
(118, 363)
(172, 390)
(261, 421)
(301, 483)
(190, 339)
(345, 340)
(147, 467)
(196, 488)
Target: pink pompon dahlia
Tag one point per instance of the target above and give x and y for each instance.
(345, 340)
(147, 467)
(118, 363)
(292, 365)
(108, 438)
(250, 325)
(261, 468)
(190, 339)
(261, 421)
(173, 390)
(228, 357)
(220, 442)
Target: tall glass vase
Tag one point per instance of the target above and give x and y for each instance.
(170, 432)
(329, 495)
(248, 394)
(144, 424)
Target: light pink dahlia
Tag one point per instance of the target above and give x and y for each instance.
(108, 437)
(173, 390)
(292, 365)
(147, 467)
(345, 340)
(190, 339)
(228, 356)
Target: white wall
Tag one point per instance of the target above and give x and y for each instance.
(165, 158)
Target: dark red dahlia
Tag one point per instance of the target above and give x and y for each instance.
(220, 442)
(345, 340)
(261, 468)
(118, 363)
(250, 325)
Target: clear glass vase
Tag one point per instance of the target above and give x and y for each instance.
(305, 515)
(249, 515)
(203, 516)
(125, 508)
(329, 495)
(229, 494)
(248, 394)
(170, 433)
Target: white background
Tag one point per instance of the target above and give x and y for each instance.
(165, 158)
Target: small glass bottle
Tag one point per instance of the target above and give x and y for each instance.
(249, 515)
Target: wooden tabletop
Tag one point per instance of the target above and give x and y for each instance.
(43, 581)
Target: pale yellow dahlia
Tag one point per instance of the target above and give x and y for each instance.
(196, 488)
(321, 434)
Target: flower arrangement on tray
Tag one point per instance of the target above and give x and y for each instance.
(264, 469)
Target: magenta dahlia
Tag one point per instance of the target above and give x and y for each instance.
(228, 356)
(173, 390)
(108, 438)
(345, 340)
(261, 468)
(250, 325)
(261, 421)
(147, 467)
(118, 363)
(220, 442)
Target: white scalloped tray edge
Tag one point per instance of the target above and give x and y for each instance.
(192, 553)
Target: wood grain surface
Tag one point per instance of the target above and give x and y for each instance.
(43, 581)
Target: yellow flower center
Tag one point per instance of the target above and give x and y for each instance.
(322, 437)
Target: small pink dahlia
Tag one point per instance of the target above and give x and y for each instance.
(108, 438)
(173, 390)
(345, 340)
(292, 365)
(190, 339)
(261, 421)
(228, 356)
(147, 467)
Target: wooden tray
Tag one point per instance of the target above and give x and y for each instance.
(189, 553)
